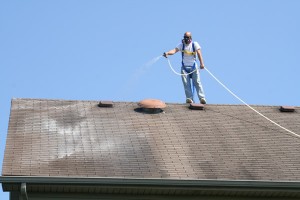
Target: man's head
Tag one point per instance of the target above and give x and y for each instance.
(187, 37)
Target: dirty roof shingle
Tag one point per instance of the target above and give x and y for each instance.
(80, 139)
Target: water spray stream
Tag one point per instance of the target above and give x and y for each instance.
(128, 87)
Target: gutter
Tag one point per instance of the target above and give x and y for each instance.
(141, 182)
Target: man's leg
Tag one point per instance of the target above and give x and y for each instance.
(187, 85)
(198, 85)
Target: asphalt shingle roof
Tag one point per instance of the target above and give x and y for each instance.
(80, 139)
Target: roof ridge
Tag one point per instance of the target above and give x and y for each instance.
(169, 103)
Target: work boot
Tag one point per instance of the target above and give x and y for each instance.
(203, 101)
(188, 100)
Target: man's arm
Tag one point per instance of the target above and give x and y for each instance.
(171, 52)
(200, 59)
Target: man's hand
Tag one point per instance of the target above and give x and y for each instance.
(202, 67)
(165, 55)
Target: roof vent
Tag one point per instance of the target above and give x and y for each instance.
(196, 106)
(105, 104)
(287, 109)
(152, 105)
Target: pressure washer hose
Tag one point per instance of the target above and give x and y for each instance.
(293, 133)
(177, 72)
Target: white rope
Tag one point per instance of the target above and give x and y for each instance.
(177, 72)
(293, 133)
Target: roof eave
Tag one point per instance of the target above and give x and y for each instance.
(142, 186)
(150, 182)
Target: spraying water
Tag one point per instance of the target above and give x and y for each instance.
(133, 80)
(151, 62)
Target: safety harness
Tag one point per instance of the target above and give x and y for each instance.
(190, 70)
(183, 51)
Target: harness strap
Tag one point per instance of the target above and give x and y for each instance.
(183, 51)
(188, 52)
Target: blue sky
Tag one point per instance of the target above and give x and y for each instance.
(101, 50)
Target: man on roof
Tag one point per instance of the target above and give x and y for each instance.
(189, 69)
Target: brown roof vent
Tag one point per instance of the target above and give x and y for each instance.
(287, 109)
(105, 104)
(152, 105)
(196, 106)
